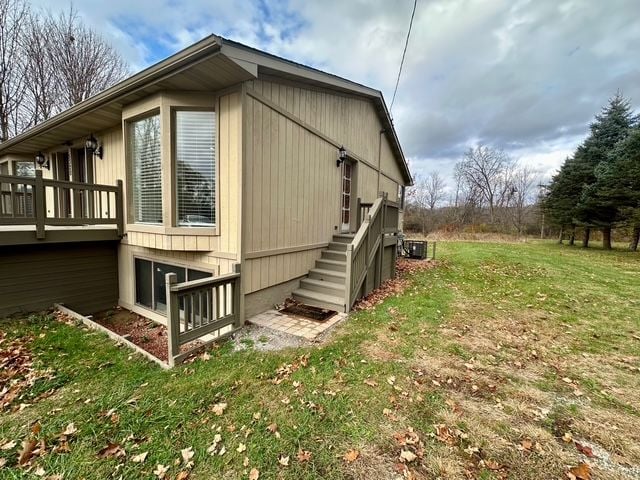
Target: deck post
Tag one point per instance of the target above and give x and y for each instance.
(383, 219)
(347, 278)
(173, 319)
(238, 303)
(119, 209)
(39, 204)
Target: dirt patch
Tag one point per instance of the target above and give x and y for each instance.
(143, 332)
(265, 339)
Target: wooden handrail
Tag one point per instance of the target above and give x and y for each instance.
(200, 307)
(41, 202)
(367, 246)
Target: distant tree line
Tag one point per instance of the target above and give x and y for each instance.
(598, 187)
(48, 63)
(492, 193)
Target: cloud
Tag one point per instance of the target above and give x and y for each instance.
(524, 75)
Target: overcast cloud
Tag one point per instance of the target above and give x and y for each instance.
(526, 76)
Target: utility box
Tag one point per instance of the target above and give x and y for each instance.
(416, 249)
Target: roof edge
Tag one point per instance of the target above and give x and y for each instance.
(204, 47)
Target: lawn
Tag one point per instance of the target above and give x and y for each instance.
(506, 361)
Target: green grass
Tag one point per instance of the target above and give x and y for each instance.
(593, 293)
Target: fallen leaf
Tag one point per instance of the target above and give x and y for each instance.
(161, 471)
(183, 475)
(35, 429)
(567, 437)
(241, 448)
(254, 474)
(70, 430)
(8, 446)
(187, 454)
(584, 449)
(581, 472)
(407, 456)
(140, 458)
(351, 455)
(27, 451)
(371, 383)
(492, 465)
(304, 456)
(219, 408)
(526, 444)
(112, 450)
(283, 460)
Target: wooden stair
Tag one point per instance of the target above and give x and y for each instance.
(324, 286)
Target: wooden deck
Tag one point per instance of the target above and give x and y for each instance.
(37, 210)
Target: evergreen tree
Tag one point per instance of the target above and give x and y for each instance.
(618, 183)
(611, 126)
(561, 198)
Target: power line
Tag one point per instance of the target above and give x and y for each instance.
(404, 52)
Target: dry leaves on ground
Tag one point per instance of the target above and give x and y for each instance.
(17, 373)
(394, 286)
(351, 456)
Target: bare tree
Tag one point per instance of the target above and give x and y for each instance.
(435, 189)
(83, 61)
(42, 99)
(13, 15)
(524, 181)
(486, 171)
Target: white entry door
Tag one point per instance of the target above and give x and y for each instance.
(347, 171)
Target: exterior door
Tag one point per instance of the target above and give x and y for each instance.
(347, 174)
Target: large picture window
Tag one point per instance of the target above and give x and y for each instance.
(144, 149)
(195, 153)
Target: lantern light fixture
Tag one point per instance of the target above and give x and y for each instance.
(92, 146)
(42, 161)
(342, 156)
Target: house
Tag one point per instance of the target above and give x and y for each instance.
(220, 159)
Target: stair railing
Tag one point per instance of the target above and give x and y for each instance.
(361, 252)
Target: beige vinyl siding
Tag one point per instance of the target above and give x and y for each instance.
(292, 184)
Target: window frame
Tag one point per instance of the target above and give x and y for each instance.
(164, 102)
(212, 229)
(128, 121)
(211, 269)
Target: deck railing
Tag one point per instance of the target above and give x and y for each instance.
(200, 307)
(366, 250)
(41, 202)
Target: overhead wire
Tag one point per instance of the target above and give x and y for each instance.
(404, 53)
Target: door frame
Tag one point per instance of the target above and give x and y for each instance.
(346, 227)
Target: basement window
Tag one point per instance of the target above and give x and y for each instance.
(150, 282)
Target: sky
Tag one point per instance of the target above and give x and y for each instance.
(526, 76)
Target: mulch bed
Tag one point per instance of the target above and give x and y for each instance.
(395, 286)
(141, 331)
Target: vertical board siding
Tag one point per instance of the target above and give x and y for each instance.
(292, 183)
